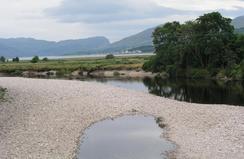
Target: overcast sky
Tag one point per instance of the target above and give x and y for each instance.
(115, 19)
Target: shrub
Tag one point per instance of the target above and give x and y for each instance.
(110, 56)
(221, 74)
(63, 72)
(116, 73)
(236, 72)
(16, 73)
(147, 66)
(45, 59)
(16, 59)
(2, 59)
(35, 59)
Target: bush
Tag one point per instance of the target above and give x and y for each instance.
(236, 72)
(221, 74)
(16, 59)
(35, 59)
(16, 73)
(2, 59)
(147, 66)
(45, 59)
(63, 72)
(116, 73)
(110, 56)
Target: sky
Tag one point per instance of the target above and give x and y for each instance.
(115, 19)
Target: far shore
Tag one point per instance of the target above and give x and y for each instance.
(45, 119)
(86, 56)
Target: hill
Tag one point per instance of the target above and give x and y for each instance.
(141, 39)
(29, 47)
(240, 30)
(25, 47)
(238, 22)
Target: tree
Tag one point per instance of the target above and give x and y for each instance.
(45, 59)
(165, 41)
(35, 59)
(109, 56)
(2, 59)
(213, 38)
(16, 59)
(239, 46)
(207, 42)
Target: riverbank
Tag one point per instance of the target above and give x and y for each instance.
(45, 118)
(65, 67)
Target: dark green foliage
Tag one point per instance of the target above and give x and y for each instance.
(109, 56)
(116, 73)
(194, 48)
(16, 59)
(148, 48)
(198, 73)
(35, 59)
(2, 59)
(45, 59)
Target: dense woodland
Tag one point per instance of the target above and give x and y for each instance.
(204, 48)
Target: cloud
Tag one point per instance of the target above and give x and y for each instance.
(202, 5)
(103, 11)
(64, 19)
(106, 11)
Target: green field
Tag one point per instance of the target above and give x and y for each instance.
(69, 65)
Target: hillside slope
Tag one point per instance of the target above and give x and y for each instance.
(143, 38)
(238, 22)
(30, 47)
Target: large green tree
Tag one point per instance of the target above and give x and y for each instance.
(207, 42)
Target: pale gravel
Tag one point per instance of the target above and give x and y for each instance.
(45, 119)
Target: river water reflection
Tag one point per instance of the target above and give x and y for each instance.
(195, 91)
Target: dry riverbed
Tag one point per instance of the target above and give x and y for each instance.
(45, 119)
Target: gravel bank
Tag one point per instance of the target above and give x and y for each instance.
(45, 118)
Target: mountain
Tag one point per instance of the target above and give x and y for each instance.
(146, 48)
(238, 22)
(29, 47)
(240, 30)
(143, 38)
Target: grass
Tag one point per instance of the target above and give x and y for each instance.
(70, 65)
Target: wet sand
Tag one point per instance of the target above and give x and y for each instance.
(45, 119)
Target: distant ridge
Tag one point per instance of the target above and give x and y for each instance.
(26, 47)
(29, 47)
(240, 30)
(238, 22)
(141, 39)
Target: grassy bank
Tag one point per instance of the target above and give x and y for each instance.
(70, 65)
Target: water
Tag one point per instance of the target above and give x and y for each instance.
(129, 137)
(195, 91)
(84, 56)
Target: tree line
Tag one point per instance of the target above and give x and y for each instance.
(205, 47)
(35, 59)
